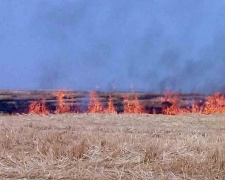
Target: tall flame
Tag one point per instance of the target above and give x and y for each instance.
(111, 107)
(173, 99)
(196, 108)
(38, 107)
(215, 104)
(132, 106)
(62, 106)
(175, 108)
(94, 106)
(170, 105)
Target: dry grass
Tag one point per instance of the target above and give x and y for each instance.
(104, 146)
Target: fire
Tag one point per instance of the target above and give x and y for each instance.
(215, 104)
(196, 108)
(111, 107)
(174, 101)
(62, 106)
(170, 105)
(132, 106)
(94, 106)
(38, 107)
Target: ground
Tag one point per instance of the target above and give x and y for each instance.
(111, 146)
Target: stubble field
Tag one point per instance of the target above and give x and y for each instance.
(111, 146)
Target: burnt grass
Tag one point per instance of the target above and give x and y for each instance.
(12, 102)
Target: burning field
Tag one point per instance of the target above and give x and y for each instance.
(112, 89)
(99, 135)
(59, 102)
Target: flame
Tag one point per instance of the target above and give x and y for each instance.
(175, 108)
(215, 104)
(38, 107)
(170, 106)
(173, 99)
(196, 108)
(132, 106)
(62, 106)
(94, 106)
(111, 107)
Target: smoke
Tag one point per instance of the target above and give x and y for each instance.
(53, 75)
(152, 45)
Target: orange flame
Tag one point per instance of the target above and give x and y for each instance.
(94, 106)
(215, 104)
(170, 106)
(132, 106)
(62, 106)
(196, 108)
(38, 107)
(175, 108)
(111, 107)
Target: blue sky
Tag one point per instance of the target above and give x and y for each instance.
(80, 44)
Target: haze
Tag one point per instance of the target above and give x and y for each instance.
(152, 45)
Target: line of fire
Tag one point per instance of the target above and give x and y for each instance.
(58, 102)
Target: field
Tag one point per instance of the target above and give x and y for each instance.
(12, 101)
(107, 146)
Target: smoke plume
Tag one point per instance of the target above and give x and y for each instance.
(151, 45)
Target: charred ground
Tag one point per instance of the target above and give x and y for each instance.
(19, 101)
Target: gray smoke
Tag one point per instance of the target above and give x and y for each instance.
(153, 45)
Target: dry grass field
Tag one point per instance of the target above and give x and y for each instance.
(107, 146)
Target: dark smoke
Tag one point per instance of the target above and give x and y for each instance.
(154, 45)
